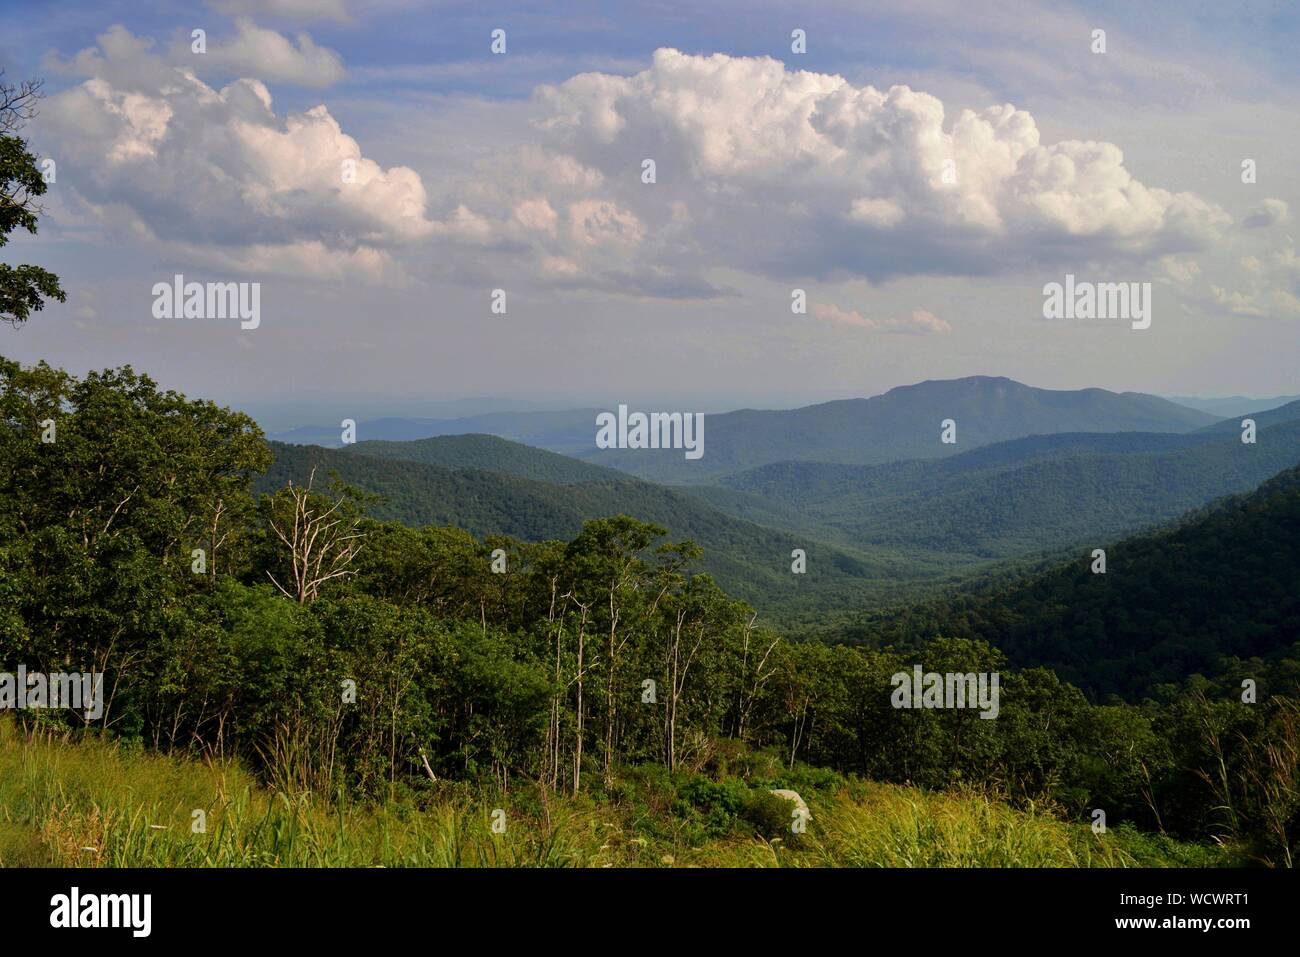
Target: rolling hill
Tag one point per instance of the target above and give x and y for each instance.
(908, 523)
(1283, 413)
(491, 454)
(751, 561)
(1222, 581)
(903, 423)
(874, 534)
(1013, 498)
(1233, 406)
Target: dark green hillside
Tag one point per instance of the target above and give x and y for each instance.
(751, 560)
(490, 454)
(1223, 582)
(1020, 497)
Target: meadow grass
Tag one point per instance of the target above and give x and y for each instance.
(100, 804)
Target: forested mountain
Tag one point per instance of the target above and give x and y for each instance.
(751, 560)
(1233, 406)
(1223, 582)
(1018, 497)
(1283, 413)
(1001, 500)
(904, 423)
(868, 531)
(491, 454)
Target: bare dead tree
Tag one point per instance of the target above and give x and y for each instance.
(17, 103)
(748, 696)
(17, 108)
(321, 542)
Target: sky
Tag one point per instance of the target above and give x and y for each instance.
(919, 171)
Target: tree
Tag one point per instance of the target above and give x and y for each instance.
(321, 537)
(609, 550)
(107, 485)
(23, 289)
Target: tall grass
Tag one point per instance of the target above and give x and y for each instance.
(97, 804)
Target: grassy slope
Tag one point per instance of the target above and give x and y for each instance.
(96, 805)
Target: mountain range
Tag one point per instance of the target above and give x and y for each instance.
(874, 533)
(902, 423)
(1233, 405)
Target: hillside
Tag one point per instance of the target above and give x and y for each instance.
(490, 454)
(1225, 581)
(568, 431)
(903, 423)
(1018, 497)
(750, 560)
(1283, 413)
(1233, 406)
(904, 523)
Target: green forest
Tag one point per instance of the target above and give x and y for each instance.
(280, 652)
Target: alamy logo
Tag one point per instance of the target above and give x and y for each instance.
(214, 300)
(82, 691)
(75, 909)
(658, 430)
(1098, 300)
(950, 690)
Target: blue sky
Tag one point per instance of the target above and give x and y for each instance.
(822, 171)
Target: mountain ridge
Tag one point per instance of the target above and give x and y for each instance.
(901, 423)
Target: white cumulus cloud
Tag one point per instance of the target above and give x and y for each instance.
(793, 174)
(168, 157)
(265, 54)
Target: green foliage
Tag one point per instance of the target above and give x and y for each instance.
(23, 289)
(1220, 585)
(751, 561)
(770, 815)
(1017, 498)
(718, 804)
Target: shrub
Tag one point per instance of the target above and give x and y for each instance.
(771, 816)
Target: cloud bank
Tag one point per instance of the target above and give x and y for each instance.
(662, 184)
